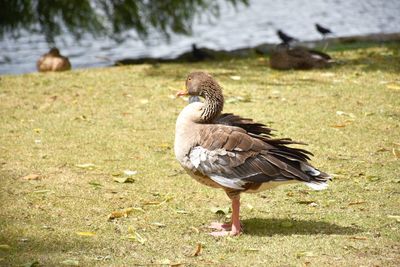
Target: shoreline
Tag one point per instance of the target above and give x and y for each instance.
(261, 49)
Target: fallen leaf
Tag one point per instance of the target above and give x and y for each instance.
(382, 149)
(161, 225)
(89, 166)
(342, 113)
(181, 211)
(31, 177)
(235, 77)
(70, 262)
(339, 125)
(287, 224)
(86, 233)
(358, 237)
(198, 250)
(138, 209)
(4, 247)
(165, 262)
(252, 249)
(220, 211)
(235, 99)
(396, 152)
(32, 264)
(122, 180)
(357, 202)
(373, 178)
(120, 213)
(396, 217)
(250, 207)
(393, 87)
(129, 172)
(44, 191)
(305, 254)
(151, 203)
(307, 202)
(134, 235)
(196, 230)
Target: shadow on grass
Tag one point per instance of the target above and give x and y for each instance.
(270, 227)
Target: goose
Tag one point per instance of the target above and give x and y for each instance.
(53, 61)
(236, 154)
(284, 58)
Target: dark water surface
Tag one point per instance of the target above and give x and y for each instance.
(235, 28)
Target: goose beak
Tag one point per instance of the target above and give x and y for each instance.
(182, 93)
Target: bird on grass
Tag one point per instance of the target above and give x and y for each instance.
(322, 30)
(236, 154)
(53, 61)
(284, 57)
(285, 38)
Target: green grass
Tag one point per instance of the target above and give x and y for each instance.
(123, 118)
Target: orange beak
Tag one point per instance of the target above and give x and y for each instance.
(182, 93)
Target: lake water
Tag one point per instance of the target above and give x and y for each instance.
(244, 26)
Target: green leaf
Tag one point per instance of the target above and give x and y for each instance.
(70, 262)
(220, 211)
(4, 247)
(122, 180)
(287, 224)
(31, 264)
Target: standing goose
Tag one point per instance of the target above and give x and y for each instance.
(53, 61)
(233, 153)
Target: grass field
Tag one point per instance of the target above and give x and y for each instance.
(81, 147)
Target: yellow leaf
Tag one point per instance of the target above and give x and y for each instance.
(120, 213)
(198, 250)
(393, 87)
(396, 152)
(235, 77)
(86, 233)
(89, 166)
(31, 177)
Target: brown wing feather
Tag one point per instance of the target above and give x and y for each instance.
(252, 160)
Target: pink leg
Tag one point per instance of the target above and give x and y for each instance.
(235, 228)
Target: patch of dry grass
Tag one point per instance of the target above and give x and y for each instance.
(123, 118)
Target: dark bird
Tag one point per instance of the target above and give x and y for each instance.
(322, 30)
(53, 61)
(287, 39)
(233, 153)
(285, 58)
(199, 54)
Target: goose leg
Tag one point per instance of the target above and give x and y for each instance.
(234, 228)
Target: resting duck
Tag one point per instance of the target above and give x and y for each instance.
(299, 58)
(53, 61)
(234, 153)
